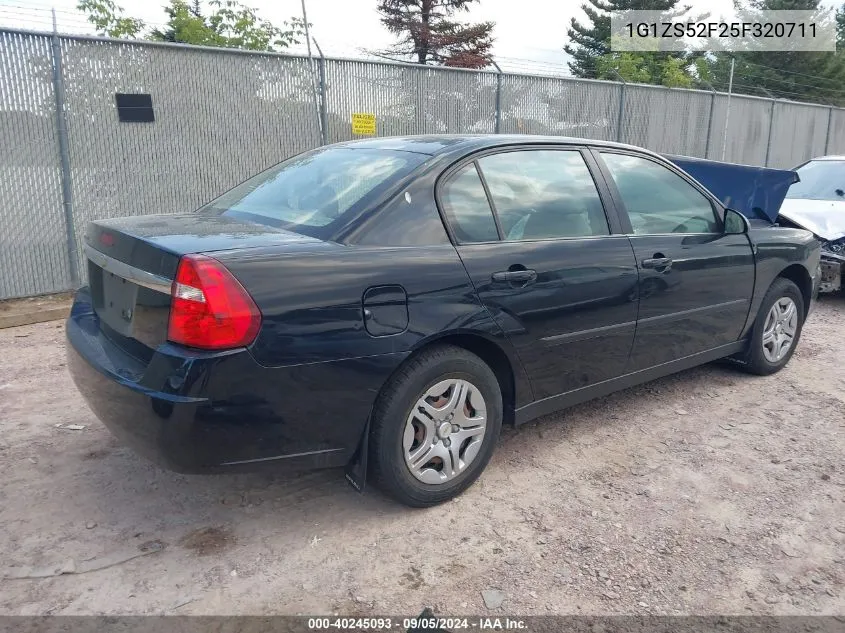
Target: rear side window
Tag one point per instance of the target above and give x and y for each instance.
(310, 192)
(544, 194)
(659, 201)
(466, 207)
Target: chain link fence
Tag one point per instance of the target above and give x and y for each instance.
(33, 245)
(223, 115)
(219, 118)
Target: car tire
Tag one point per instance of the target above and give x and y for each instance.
(411, 423)
(771, 324)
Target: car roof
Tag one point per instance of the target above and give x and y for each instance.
(441, 144)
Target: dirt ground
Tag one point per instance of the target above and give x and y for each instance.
(31, 304)
(710, 492)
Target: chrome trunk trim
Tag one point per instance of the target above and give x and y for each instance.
(130, 273)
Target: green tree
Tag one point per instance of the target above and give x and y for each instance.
(629, 66)
(675, 73)
(646, 68)
(428, 33)
(228, 24)
(589, 45)
(107, 17)
(813, 76)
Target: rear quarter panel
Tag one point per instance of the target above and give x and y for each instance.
(312, 303)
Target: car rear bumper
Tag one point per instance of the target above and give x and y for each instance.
(198, 412)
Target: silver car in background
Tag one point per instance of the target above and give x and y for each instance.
(817, 204)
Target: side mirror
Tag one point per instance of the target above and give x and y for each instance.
(735, 223)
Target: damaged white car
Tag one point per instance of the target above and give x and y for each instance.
(817, 203)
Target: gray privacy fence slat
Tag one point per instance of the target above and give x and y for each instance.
(219, 118)
(748, 121)
(836, 133)
(799, 133)
(665, 120)
(33, 246)
(223, 115)
(563, 107)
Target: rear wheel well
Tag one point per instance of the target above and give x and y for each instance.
(798, 275)
(494, 358)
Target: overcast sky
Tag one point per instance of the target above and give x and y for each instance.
(530, 34)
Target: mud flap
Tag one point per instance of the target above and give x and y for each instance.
(427, 623)
(356, 469)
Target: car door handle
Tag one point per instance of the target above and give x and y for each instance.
(660, 264)
(515, 276)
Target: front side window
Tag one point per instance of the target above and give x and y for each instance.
(542, 194)
(659, 201)
(820, 180)
(311, 191)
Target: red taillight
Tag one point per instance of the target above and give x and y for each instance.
(209, 308)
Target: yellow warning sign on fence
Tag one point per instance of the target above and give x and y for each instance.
(363, 123)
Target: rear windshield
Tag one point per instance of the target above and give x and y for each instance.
(310, 192)
(820, 180)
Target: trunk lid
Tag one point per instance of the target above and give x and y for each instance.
(154, 243)
(132, 262)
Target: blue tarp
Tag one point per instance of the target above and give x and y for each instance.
(756, 192)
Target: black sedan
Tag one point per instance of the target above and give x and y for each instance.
(387, 305)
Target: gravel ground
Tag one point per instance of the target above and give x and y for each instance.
(709, 492)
